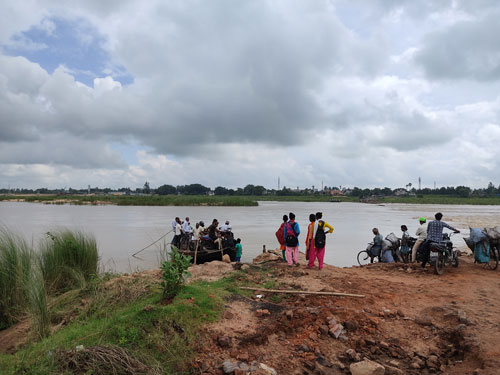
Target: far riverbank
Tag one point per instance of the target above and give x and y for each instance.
(237, 200)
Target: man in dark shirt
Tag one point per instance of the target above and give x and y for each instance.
(435, 234)
(213, 233)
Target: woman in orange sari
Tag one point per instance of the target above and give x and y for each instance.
(310, 234)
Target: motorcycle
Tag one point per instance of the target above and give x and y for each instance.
(443, 254)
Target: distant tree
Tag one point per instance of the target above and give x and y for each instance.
(146, 189)
(258, 190)
(463, 191)
(248, 190)
(193, 189)
(220, 190)
(166, 190)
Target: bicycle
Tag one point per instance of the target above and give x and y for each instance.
(367, 254)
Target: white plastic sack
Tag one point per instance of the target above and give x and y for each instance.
(493, 233)
(386, 244)
(392, 238)
(477, 235)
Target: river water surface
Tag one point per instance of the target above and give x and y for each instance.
(122, 230)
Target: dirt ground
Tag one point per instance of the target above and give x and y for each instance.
(410, 321)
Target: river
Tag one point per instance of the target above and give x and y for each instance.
(122, 230)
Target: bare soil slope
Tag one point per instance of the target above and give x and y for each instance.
(411, 321)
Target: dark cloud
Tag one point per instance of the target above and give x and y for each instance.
(465, 50)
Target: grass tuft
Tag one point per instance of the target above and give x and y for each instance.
(69, 259)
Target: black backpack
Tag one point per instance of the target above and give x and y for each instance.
(320, 238)
(291, 239)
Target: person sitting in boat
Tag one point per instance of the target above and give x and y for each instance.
(214, 234)
(226, 227)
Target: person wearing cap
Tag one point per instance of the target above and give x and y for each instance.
(421, 234)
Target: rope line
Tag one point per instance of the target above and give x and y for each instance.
(151, 244)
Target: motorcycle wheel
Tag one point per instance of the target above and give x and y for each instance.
(439, 264)
(493, 263)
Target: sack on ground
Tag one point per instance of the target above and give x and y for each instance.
(477, 235)
(493, 233)
(482, 252)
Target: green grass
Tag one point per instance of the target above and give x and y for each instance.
(16, 259)
(68, 259)
(164, 336)
(22, 288)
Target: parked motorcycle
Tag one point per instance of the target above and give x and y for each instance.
(443, 254)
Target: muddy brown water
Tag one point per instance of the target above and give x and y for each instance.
(122, 230)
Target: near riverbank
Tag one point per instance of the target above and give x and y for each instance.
(409, 322)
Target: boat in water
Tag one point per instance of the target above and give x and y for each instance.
(207, 250)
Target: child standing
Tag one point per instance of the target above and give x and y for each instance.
(239, 250)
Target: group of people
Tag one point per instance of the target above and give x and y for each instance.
(288, 238)
(213, 233)
(426, 234)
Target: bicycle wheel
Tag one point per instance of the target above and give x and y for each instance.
(493, 263)
(439, 264)
(364, 258)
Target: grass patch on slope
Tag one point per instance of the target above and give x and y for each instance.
(164, 337)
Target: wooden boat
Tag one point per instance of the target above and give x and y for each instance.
(207, 251)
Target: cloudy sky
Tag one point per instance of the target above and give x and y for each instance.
(231, 92)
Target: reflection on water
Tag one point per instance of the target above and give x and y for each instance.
(121, 231)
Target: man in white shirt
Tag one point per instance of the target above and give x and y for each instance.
(177, 231)
(226, 227)
(421, 234)
(186, 227)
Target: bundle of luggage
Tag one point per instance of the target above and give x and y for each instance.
(480, 241)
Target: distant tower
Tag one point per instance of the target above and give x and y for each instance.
(419, 184)
(278, 182)
(88, 191)
(322, 185)
(434, 187)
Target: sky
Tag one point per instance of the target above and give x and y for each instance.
(367, 93)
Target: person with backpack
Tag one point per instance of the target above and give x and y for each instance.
(317, 250)
(310, 234)
(280, 235)
(291, 234)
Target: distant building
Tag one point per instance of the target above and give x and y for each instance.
(336, 193)
(400, 192)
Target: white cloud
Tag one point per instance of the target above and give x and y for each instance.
(231, 93)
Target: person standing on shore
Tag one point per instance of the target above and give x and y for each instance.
(239, 250)
(280, 235)
(405, 238)
(421, 234)
(292, 232)
(377, 242)
(317, 249)
(310, 235)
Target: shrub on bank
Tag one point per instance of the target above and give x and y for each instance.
(68, 259)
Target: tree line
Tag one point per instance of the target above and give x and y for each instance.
(257, 190)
